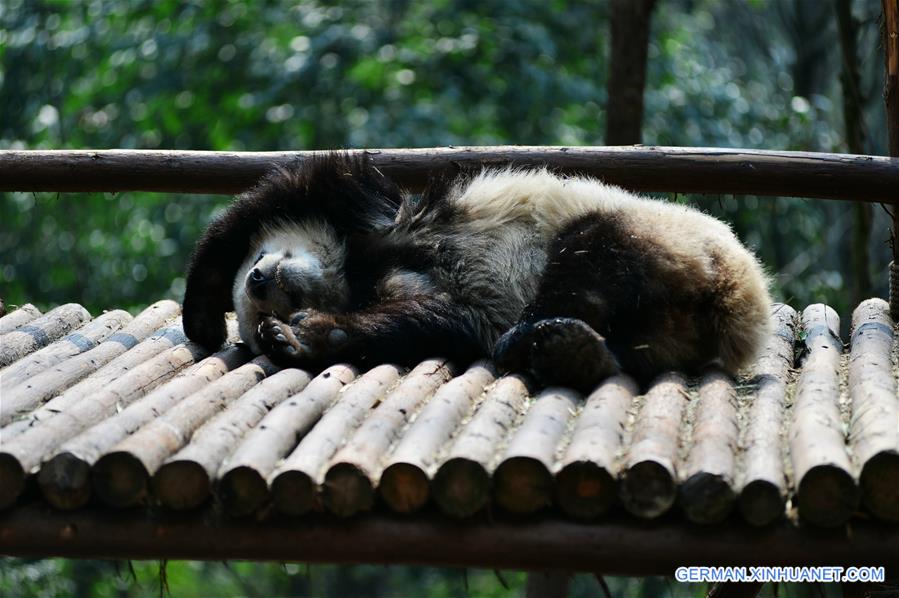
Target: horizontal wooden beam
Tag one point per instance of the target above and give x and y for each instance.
(623, 546)
(639, 168)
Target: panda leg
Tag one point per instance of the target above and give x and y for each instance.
(598, 307)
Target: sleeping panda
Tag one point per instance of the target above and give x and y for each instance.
(564, 277)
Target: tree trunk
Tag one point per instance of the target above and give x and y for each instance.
(853, 102)
(891, 98)
(629, 21)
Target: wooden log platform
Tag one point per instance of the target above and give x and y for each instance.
(226, 456)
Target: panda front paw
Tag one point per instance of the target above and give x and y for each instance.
(278, 341)
(311, 337)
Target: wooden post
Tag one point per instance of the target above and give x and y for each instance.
(629, 24)
(891, 98)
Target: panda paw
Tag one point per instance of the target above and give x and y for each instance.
(310, 337)
(277, 340)
(563, 351)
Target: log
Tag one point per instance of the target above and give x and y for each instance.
(707, 476)
(648, 486)
(185, 480)
(762, 480)
(523, 482)
(19, 317)
(462, 485)
(121, 477)
(586, 483)
(84, 339)
(617, 547)
(243, 486)
(354, 471)
(405, 482)
(96, 369)
(295, 482)
(65, 480)
(20, 455)
(640, 168)
(873, 434)
(41, 332)
(827, 493)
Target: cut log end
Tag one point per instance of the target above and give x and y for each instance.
(827, 496)
(12, 480)
(648, 489)
(880, 485)
(293, 493)
(584, 490)
(404, 487)
(761, 503)
(120, 479)
(181, 485)
(461, 487)
(347, 490)
(706, 498)
(523, 485)
(241, 491)
(65, 481)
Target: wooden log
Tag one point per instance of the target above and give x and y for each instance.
(586, 483)
(873, 432)
(827, 493)
(96, 369)
(41, 332)
(121, 476)
(294, 483)
(618, 546)
(354, 471)
(64, 479)
(648, 486)
(641, 168)
(21, 455)
(242, 485)
(185, 480)
(19, 317)
(707, 474)
(84, 339)
(762, 480)
(405, 482)
(462, 485)
(523, 482)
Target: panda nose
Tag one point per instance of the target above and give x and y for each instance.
(257, 283)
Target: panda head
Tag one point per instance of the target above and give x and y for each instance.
(292, 266)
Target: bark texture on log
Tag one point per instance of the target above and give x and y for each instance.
(40, 333)
(827, 493)
(57, 379)
(185, 480)
(763, 482)
(874, 433)
(649, 483)
(19, 317)
(354, 472)
(649, 168)
(405, 483)
(65, 479)
(586, 484)
(295, 483)
(84, 339)
(243, 477)
(463, 484)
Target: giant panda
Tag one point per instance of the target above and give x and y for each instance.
(564, 277)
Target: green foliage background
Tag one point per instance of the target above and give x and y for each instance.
(309, 74)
